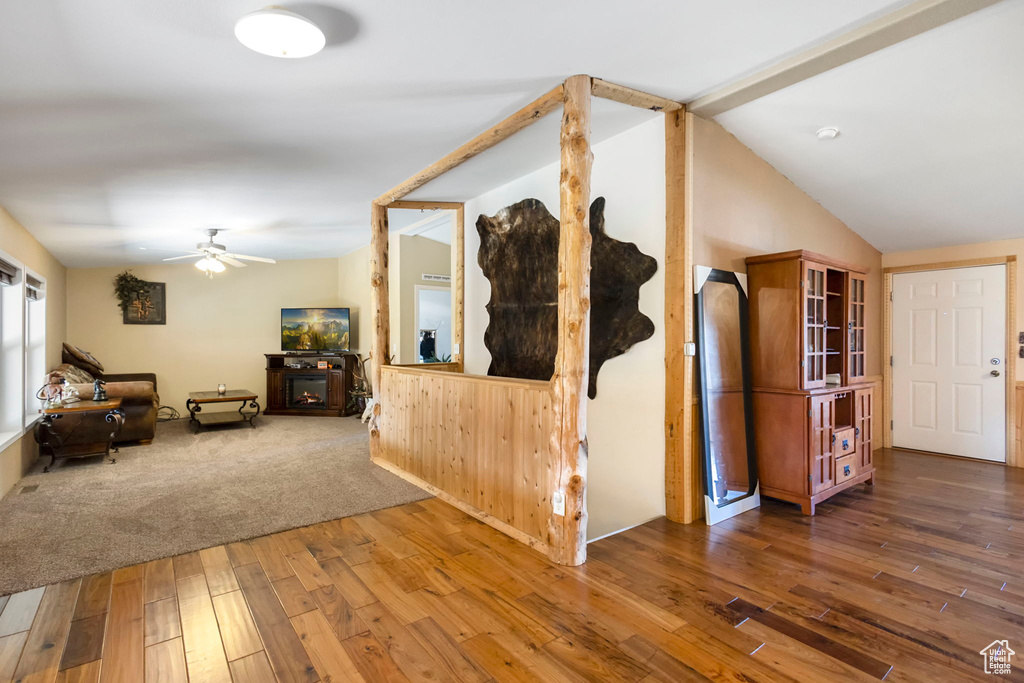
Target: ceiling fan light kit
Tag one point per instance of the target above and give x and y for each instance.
(213, 256)
(210, 265)
(277, 32)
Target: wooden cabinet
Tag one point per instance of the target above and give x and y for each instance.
(808, 357)
(822, 425)
(337, 397)
(864, 407)
(275, 389)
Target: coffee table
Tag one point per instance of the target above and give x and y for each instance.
(51, 444)
(197, 399)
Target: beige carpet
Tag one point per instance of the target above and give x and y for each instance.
(185, 492)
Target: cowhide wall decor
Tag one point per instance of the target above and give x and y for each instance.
(519, 256)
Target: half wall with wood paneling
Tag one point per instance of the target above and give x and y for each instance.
(480, 443)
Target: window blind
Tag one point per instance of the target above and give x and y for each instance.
(7, 272)
(33, 289)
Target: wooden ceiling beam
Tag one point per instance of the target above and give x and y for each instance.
(632, 97)
(424, 206)
(895, 27)
(531, 113)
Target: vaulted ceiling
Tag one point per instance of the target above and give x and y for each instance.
(931, 147)
(127, 124)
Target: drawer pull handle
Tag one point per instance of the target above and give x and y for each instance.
(846, 444)
(846, 470)
(856, 432)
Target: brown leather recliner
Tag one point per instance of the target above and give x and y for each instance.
(139, 402)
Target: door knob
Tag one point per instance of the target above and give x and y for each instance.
(994, 373)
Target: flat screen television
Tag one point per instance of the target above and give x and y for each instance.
(314, 329)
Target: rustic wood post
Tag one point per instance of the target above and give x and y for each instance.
(683, 499)
(381, 311)
(459, 287)
(567, 542)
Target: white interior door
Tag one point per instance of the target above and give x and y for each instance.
(949, 361)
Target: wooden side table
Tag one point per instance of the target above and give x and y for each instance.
(197, 399)
(50, 442)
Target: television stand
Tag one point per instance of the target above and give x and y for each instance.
(307, 389)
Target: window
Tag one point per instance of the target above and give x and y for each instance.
(12, 350)
(22, 347)
(35, 343)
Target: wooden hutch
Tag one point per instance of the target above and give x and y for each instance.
(296, 386)
(813, 408)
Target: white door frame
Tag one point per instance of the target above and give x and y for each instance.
(1013, 457)
(416, 317)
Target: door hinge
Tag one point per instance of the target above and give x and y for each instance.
(802, 363)
(810, 413)
(890, 424)
(802, 283)
(809, 478)
(890, 362)
(890, 295)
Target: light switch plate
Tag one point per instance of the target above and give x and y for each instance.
(455, 348)
(558, 503)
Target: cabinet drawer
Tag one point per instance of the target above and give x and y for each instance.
(845, 443)
(846, 467)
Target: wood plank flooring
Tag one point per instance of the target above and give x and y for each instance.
(906, 581)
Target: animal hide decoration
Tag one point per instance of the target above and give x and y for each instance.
(519, 256)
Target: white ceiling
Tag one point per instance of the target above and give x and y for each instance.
(931, 149)
(128, 123)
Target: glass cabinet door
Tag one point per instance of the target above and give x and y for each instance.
(855, 329)
(814, 325)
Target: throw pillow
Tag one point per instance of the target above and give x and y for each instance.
(82, 359)
(72, 374)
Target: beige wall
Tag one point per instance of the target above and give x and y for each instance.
(17, 242)
(354, 294)
(217, 329)
(962, 253)
(743, 207)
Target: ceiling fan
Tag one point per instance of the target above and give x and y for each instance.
(213, 256)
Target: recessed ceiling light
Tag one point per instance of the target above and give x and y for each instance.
(278, 32)
(828, 133)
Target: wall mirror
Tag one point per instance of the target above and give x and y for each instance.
(726, 399)
(420, 285)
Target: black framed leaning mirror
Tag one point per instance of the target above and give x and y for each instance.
(726, 398)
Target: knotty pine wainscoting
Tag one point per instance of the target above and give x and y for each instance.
(480, 443)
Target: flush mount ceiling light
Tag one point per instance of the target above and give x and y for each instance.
(278, 32)
(828, 133)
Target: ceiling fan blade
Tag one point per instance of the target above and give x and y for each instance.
(178, 258)
(243, 257)
(231, 261)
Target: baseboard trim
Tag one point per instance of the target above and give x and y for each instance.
(625, 528)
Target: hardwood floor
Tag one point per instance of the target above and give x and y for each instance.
(907, 581)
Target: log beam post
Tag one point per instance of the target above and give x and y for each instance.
(459, 288)
(381, 311)
(567, 537)
(683, 499)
